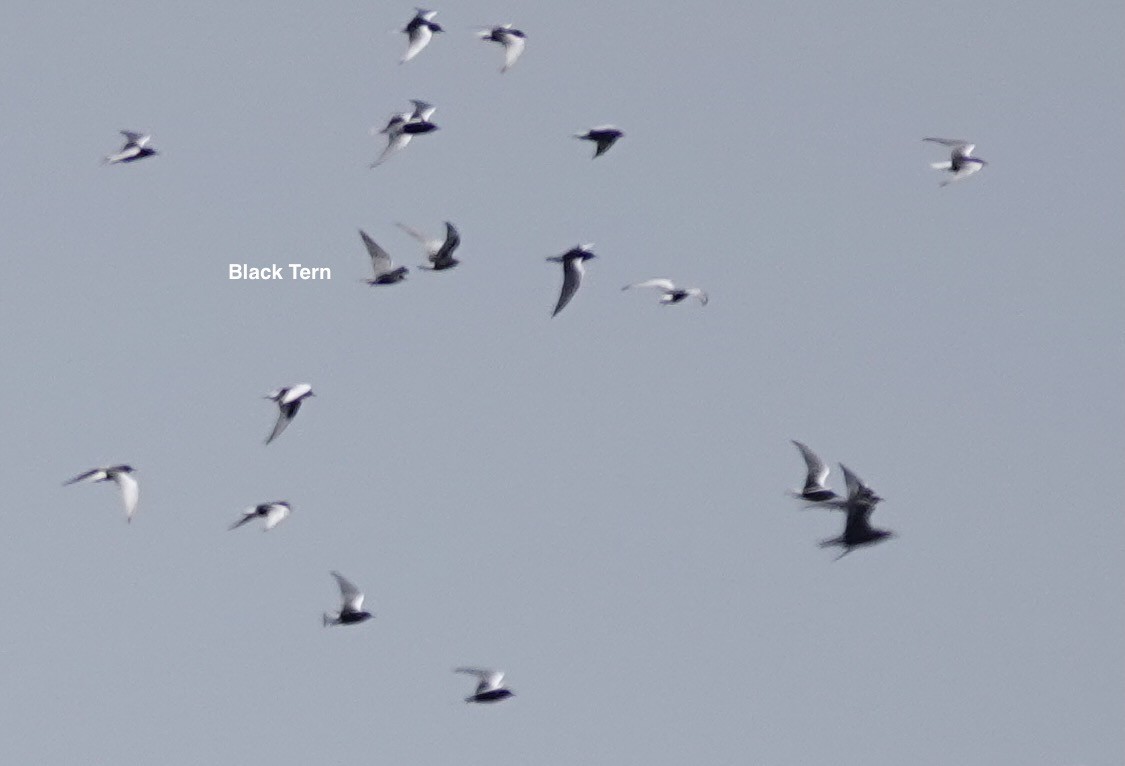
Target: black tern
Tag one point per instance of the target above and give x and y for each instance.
(403, 126)
(572, 262)
(381, 264)
(858, 505)
(351, 606)
(489, 688)
(961, 163)
(512, 39)
(288, 403)
(438, 251)
(135, 148)
(604, 136)
(814, 491)
(271, 513)
(419, 32)
(122, 475)
(671, 293)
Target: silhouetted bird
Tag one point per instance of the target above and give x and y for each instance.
(351, 608)
(488, 688)
(419, 32)
(381, 265)
(572, 262)
(670, 293)
(271, 513)
(858, 505)
(513, 41)
(604, 136)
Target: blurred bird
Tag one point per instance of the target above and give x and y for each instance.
(135, 148)
(604, 136)
(671, 293)
(572, 262)
(385, 271)
(122, 475)
(488, 688)
(961, 163)
(403, 126)
(438, 251)
(513, 41)
(815, 491)
(288, 403)
(351, 607)
(272, 513)
(419, 32)
(858, 505)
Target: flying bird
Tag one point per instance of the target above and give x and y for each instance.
(489, 688)
(815, 491)
(438, 251)
(288, 403)
(961, 162)
(858, 505)
(572, 262)
(404, 126)
(671, 293)
(604, 136)
(271, 513)
(135, 148)
(512, 39)
(122, 475)
(381, 264)
(419, 32)
(351, 606)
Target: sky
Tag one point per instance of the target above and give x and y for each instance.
(595, 503)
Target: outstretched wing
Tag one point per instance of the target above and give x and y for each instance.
(130, 492)
(660, 283)
(572, 278)
(380, 258)
(817, 470)
(489, 679)
(349, 593)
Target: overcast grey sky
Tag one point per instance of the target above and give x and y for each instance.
(595, 503)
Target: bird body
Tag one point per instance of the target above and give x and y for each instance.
(419, 31)
(271, 513)
(288, 403)
(512, 39)
(122, 476)
(135, 148)
(961, 162)
(858, 505)
(603, 136)
(572, 262)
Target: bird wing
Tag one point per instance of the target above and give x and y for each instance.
(817, 470)
(276, 513)
(698, 294)
(247, 516)
(950, 142)
(351, 596)
(129, 492)
(854, 484)
(396, 140)
(572, 278)
(294, 393)
(422, 110)
(489, 679)
(663, 284)
(513, 49)
(603, 144)
(380, 258)
(285, 414)
(431, 245)
(135, 139)
(419, 38)
(445, 250)
(97, 474)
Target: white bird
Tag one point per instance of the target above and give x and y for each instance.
(419, 32)
(814, 491)
(671, 293)
(603, 136)
(438, 251)
(135, 148)
(403, 126)
(122, 475)
(351, 604)
(961, 163)
(489, 688)
(272, 513)
(512, 39)
(572, 262)
(381, 264)
(288, 403)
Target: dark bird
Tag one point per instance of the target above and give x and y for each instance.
(419, 32)
(438, 251)
(135, 148)
(288, 403)
(404, 126)
(604, 136)
(858, 505)
(122, 476)
(961, 162)
(572, 262)
(513, 41)
(489, 688)
(385, 271)
(815, 491)
(351, 608)
(271, 513)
